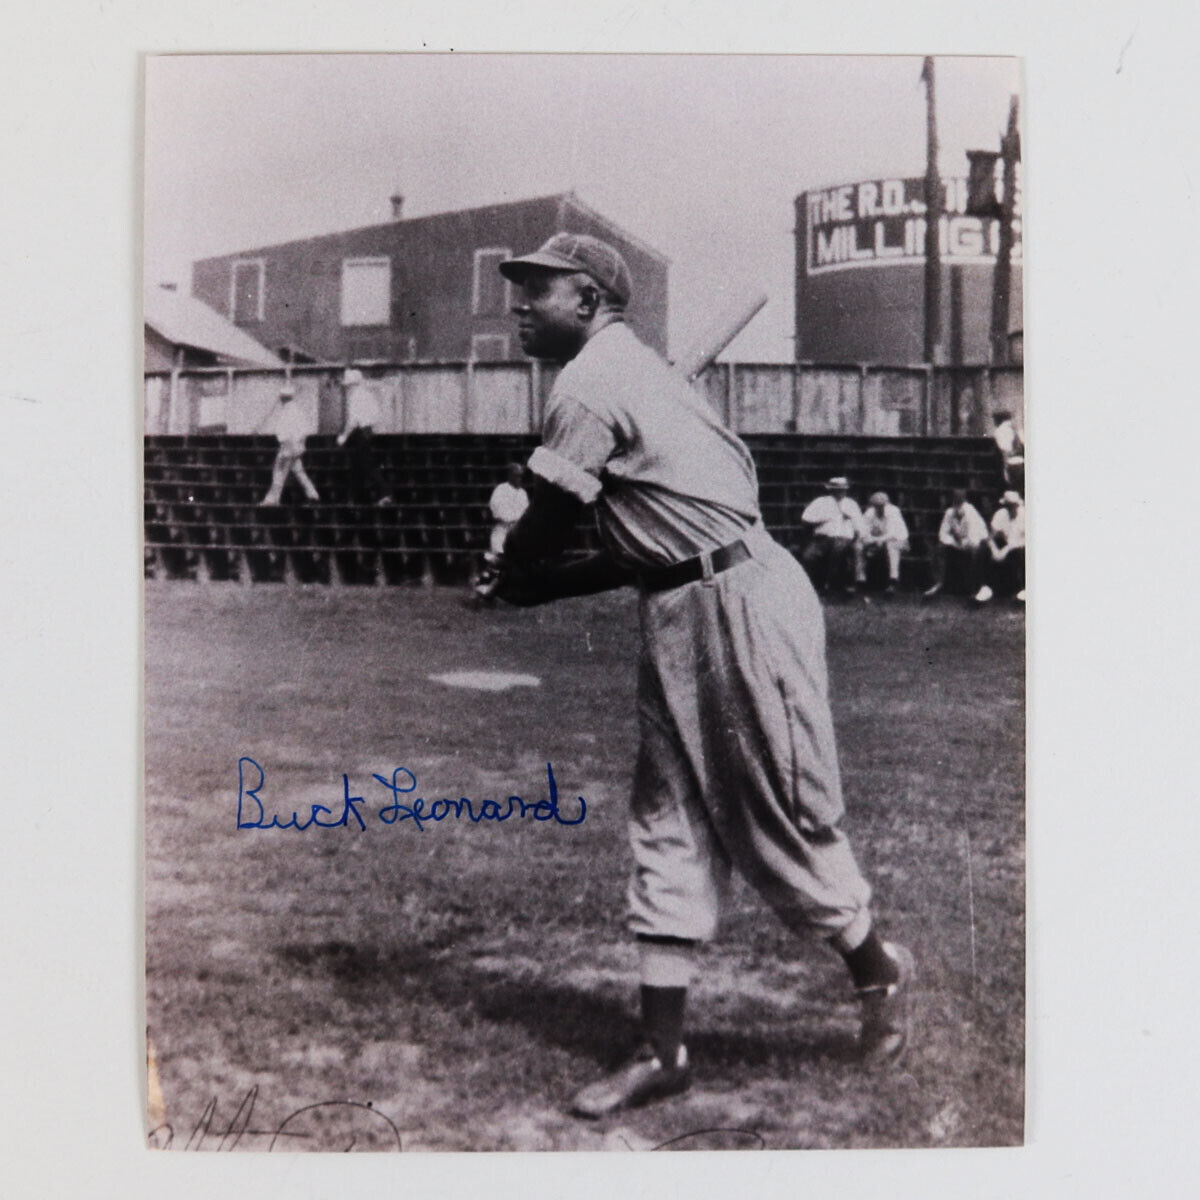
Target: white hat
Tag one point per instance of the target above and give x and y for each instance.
(352, 375)
(1011, 498)
(838, 481)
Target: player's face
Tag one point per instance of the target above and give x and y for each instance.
(548, 316)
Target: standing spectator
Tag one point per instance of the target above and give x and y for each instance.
(292, 430)
(1006, 544)
(885, 537)
(835, 524)
(508, 503)
(1011, 450)
(357, 436)
(959, 554)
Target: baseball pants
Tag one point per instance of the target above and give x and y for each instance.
(737, 766)
(289, 461)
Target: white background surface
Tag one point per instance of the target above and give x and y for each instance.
(1111, 233)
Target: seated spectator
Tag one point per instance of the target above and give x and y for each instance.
(357, 436)
(1011, 450)
(885, 538)
(834, 550)
(292, 430)
(959, 557)
(1006, 546)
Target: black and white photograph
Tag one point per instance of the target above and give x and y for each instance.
(584, 541)
(593, 581)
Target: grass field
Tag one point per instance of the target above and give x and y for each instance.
(462, 981)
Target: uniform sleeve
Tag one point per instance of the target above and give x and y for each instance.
(898, 529)
(575, 446)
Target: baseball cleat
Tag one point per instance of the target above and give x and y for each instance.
(885, 1011)
(984, 594)
(641, 1080)
(929, 593)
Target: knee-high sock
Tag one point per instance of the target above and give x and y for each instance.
(666, 969)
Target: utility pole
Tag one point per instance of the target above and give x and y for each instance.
(1010, 152)
(933, 221)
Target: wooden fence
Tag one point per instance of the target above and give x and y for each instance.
(509, 397)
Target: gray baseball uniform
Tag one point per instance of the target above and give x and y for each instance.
(737, 764)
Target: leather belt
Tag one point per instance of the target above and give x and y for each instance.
(703, 566)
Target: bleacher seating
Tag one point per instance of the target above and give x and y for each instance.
(203, 522)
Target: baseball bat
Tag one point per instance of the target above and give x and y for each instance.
(717, 334)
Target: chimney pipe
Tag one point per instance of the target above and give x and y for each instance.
(397, 206)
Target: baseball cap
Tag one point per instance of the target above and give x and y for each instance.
(576, 252)
(351, 375)
(838, 481)
(1011, 498)
(880, 498)
(287, 392)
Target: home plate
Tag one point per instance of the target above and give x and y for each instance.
(486, 681)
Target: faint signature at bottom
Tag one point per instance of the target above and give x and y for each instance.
(343, 1126)
(330, 1125)
(715, 1139)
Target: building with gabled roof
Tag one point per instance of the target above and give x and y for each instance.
(182, 331)
(420, 289)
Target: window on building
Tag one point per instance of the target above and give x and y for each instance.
(366, 291)
(491, 293)
(246, 291)
(489, 347)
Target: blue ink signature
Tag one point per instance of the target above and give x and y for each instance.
(252, 812)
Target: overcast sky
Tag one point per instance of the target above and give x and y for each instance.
(700, 155)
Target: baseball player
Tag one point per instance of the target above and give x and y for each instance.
(363, 413)
(507, 504)
(291, 428)
(737, 766)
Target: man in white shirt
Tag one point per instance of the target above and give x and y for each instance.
(885, 537)
(1011, 450)
(507, 504)
(1006, 545)
(958, 556)
(292, 430)
(357, 436)
(835, 545)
